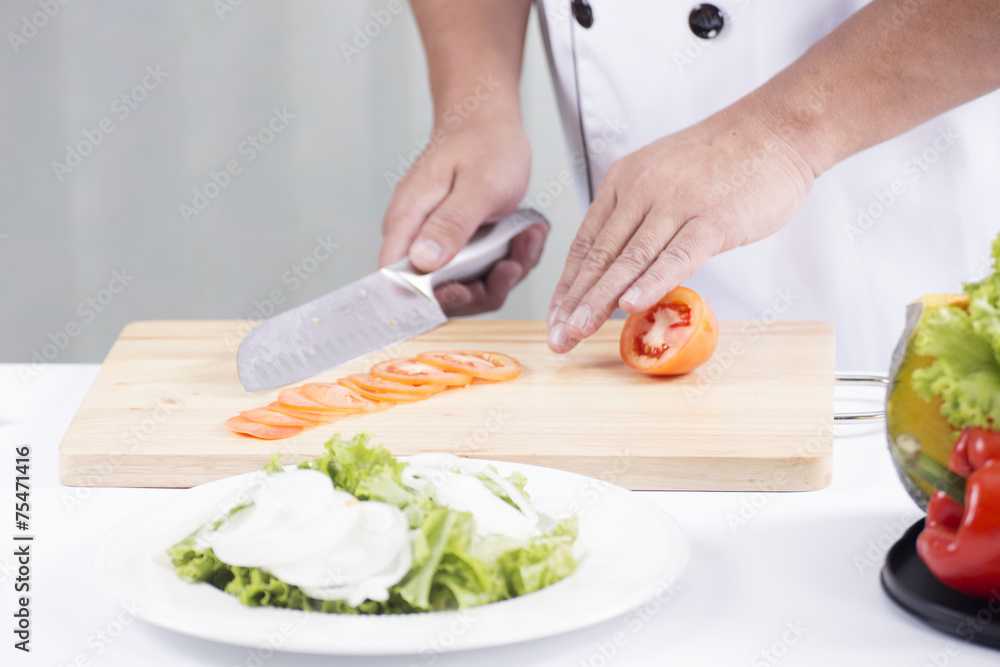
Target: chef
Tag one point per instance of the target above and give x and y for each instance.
(830, 159)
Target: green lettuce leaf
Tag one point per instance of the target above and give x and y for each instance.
(542, 562)
(256, 588)
(965, 346)
(366, 472)
(984, 303)
(447, 574)
(516, 479)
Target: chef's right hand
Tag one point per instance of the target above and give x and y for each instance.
(477, 172)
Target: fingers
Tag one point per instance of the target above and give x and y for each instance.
(459, 299)
(594, 297)
(598, 213)
(604, 252)
(416, 196)
(454, 297)
(639, 277)
(451, 224)
(695, 243)
(526, 248)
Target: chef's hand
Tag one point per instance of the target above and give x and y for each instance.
(660, 213)
(477, 173)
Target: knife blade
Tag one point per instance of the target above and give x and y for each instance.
(387, 307)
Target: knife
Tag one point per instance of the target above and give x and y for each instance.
(387, 307)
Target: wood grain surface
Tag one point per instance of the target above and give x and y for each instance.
(758, 416)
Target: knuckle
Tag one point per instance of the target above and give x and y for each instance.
(599, 259)
(564, 285)
(581, 246)
(639, 254)
(658, 276)
(448, 223)
(677, 256)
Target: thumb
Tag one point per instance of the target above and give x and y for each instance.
(451, 224)
(417, 195)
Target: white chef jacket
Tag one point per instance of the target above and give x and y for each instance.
(912, 216)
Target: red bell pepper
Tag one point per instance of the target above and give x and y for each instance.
(961, 544)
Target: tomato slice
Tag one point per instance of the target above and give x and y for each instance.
(296, 398)
(390, 397)
(310, 415)
(412, 371)
(379, 385)
(484, 365)
(241, 424)
(337, 397)
(272, 418)
(675, 336)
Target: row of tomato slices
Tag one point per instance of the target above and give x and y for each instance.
(387, 383)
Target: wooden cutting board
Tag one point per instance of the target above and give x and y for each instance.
(758, 416)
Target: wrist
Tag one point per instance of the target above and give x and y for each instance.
(799, 125)
(484, 99)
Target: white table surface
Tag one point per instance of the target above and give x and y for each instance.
(798, 579)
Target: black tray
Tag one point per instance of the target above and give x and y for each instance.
(912, 586)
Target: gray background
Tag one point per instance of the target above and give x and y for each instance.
(323, 177)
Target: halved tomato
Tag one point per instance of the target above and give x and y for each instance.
(380, 385)
(337, 397)
(310, 415)
(241, 424)
(485, 365)
(675, 336)
(272, 418)
(390, 397)
(295, 398)
(412, 371)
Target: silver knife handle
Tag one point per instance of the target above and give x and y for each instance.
(488, 245)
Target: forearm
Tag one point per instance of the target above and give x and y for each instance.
(891, 66)
(474, 48)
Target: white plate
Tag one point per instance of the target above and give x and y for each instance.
(633, 551)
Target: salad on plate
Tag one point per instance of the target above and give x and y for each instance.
(356, 531)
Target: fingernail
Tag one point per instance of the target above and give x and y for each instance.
(552, 314)
(578, 320)
(558, 337)
(425, 251)
(631, 296)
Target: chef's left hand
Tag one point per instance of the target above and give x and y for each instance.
(660, 213)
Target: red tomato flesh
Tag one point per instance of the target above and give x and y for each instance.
(675, 336)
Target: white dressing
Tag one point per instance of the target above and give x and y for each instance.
(466, 493)
(308, 534)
